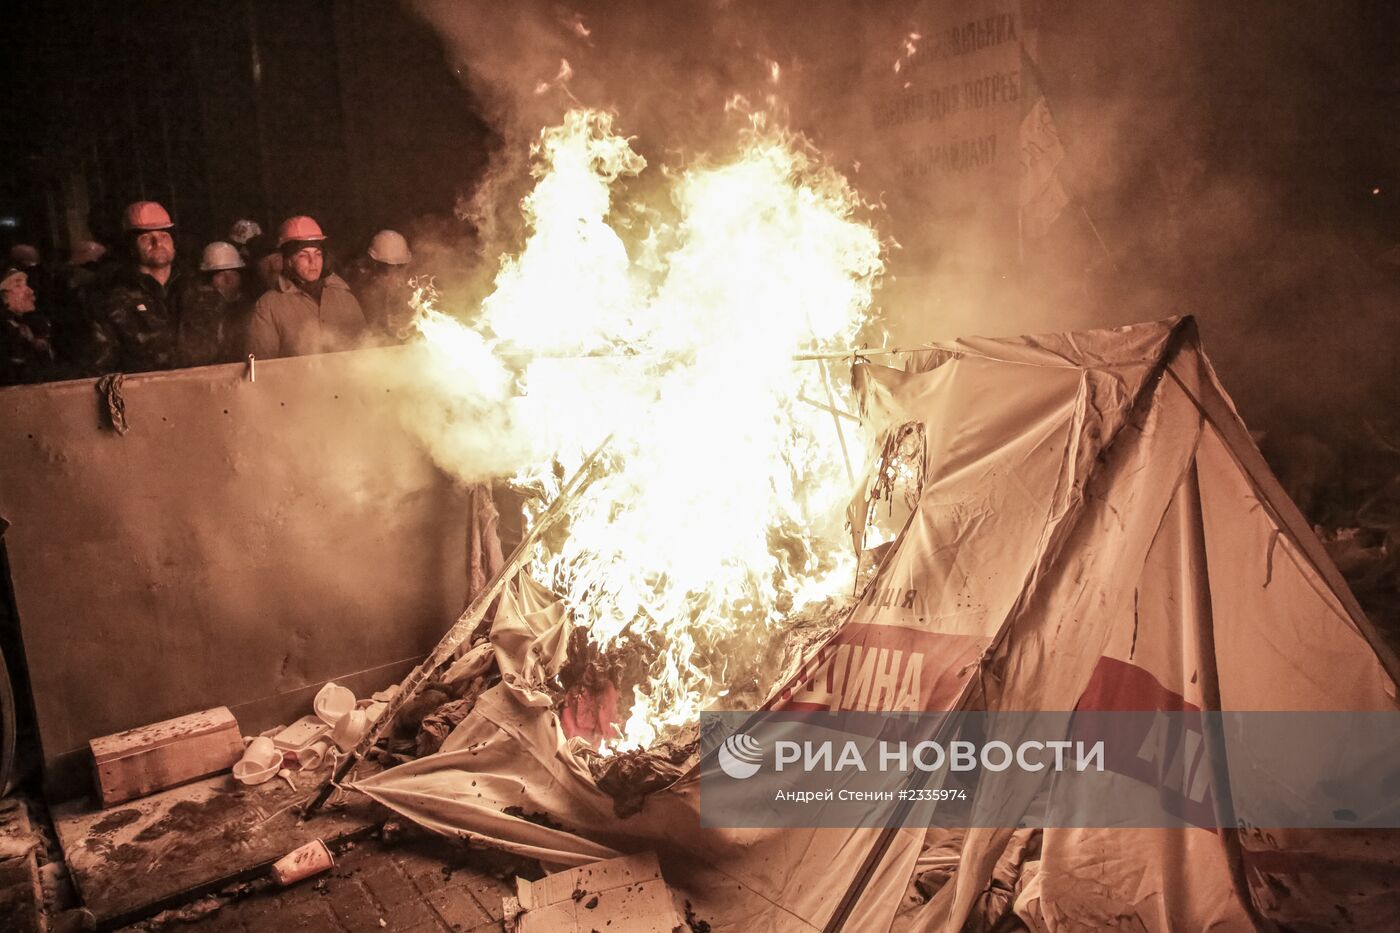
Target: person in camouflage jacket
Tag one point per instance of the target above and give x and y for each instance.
(136, 319)
(213, 309)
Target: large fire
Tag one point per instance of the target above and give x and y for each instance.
(673, 329)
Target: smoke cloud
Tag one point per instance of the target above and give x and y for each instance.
(1204, 165)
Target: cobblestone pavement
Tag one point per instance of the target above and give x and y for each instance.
(416, 884)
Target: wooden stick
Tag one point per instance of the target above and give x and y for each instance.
(461, 630)
(848, 353)
(836, 420)
(827, 408)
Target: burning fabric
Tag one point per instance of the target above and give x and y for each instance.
(721, 510)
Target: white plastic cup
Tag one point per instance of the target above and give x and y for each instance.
(350, 729)
(260, 762)
(332, 703)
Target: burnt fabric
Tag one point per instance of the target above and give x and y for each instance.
(136, 324)
(530, 635)
(1094, 530)
(287, 321)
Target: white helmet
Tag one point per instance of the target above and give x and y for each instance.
(219, 256)
(390, 248)
(244, 230)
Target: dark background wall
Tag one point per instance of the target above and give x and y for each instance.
(343, 109)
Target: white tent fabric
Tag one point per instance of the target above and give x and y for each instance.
(1095, 531)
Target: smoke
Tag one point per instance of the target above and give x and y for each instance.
(1221, 151)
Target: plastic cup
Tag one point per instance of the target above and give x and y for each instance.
(332, 703)
(260, 762)
(303, 862)
(350, 729)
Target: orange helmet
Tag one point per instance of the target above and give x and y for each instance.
(146, 215)
(300, 227)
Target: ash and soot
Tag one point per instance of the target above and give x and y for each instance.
(722, 507)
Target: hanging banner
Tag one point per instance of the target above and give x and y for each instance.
(945, 113)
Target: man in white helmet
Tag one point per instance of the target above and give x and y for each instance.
(380, 280)
(213, 310)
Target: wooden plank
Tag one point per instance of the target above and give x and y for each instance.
(161, 755)
(132, 861)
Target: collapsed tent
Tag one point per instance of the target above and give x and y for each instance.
(1094, 529)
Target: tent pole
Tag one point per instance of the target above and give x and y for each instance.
(461, 631)
(836, 420)
(514, 354)
(1212, 718)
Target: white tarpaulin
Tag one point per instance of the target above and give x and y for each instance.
(1095, 531)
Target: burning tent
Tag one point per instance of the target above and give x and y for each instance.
(1089, 527)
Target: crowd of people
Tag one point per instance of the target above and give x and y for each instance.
(135, 309)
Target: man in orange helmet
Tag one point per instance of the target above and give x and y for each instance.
(136, 321)
(312, 309)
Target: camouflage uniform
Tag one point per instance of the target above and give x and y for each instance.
(211, 327)
(137, 325)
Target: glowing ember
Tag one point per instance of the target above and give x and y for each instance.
(723, 510)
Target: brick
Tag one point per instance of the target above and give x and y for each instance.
(431, 926)
(388, 884)
(457, 908)
(427, 875)
(354, 908)
(281, 911)
(313, 916)
(408, 915)
(415, 862)
(487, 892)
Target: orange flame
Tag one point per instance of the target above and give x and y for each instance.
(679, 343)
